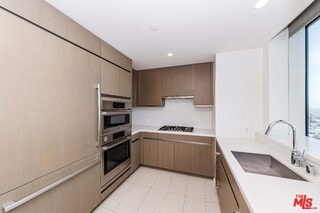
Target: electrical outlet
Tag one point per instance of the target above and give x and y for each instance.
(246, 130)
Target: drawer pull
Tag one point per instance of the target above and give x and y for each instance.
(179, 141)
(13, 205)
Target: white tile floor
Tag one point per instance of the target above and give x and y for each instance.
(151, 190)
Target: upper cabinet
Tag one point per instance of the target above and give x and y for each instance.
(177, 81)
(203, 84)
(150, 88)
(114, 80)
(116, 72)
(115, 56)
(135, 88)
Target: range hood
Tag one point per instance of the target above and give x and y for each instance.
(178, 97)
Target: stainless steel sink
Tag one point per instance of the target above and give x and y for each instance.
(264, 165)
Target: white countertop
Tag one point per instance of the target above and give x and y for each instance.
(265, 194)
(196, 132)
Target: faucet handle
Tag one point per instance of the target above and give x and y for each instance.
(310, 169)
(297, 158)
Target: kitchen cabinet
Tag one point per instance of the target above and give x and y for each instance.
(183, 157)
(230, 196)
(203, 157)
(190, 154)
(115, 56)
(228, 203)
(125, 83)
(166, 155)
(135, 152)
(150, 88)
(149, 149)
(48, 17)
(48, 102)
(177, 81)
(203, 84)
(135, 88)
(194, 155)
(78, 194)
(115, 81)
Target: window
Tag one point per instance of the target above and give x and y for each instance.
(313, 80)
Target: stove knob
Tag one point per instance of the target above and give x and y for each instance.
(105, 138)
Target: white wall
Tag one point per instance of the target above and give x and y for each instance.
(176, 112)
(278, 80)
(265, 107)
(297, 81)
(239, 93)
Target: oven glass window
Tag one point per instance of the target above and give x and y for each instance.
(116, 120)
(115, 156)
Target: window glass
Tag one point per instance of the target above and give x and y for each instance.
(313, 80)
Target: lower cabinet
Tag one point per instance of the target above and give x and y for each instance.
(190, 154)
(228, 203)
(135, 152)
(150, 149)
(80, 194)
(183, 157)
(166, 155)
(230, 197)
(203, 159)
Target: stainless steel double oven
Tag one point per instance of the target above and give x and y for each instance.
(115, 140)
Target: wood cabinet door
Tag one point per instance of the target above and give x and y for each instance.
(166, 155)
(135, 88)
(203, 84)
(48, 102)
(177, 81)
(80, 194)
(202, 160)
(135, 153)
(183, 157)
(150, 88)
(125, 87)
(110, 78)
(112, 54)
(150, 152)
(227, 200)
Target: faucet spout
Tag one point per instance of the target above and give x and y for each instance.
(272, 124)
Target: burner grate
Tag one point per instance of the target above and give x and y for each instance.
(176, 128)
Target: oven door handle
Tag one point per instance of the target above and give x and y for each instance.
(106, 148)
(124, 112)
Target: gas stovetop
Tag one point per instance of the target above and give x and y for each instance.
(177, 128)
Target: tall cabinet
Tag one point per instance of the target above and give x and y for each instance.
(49, 108)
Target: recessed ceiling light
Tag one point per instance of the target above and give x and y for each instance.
(260, 4)
(154, 28)
(170, 54)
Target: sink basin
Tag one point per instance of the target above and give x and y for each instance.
(264, 165)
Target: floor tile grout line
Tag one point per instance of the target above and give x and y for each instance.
(147, 193)
(166, 191)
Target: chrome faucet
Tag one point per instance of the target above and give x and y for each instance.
(296, 156)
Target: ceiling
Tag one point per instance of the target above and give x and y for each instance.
(193, 30)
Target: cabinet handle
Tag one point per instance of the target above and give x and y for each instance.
(13, 205)
(99, 115)
(135, 140)
(179, 141)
